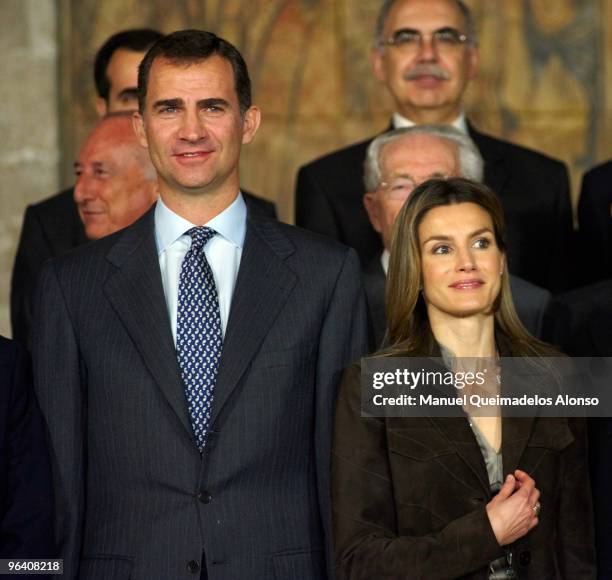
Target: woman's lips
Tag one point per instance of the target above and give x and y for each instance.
(467, 284)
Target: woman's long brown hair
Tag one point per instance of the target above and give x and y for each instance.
(409, 331)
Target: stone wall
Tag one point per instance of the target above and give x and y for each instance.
(28, 122)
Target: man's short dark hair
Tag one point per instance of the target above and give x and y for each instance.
(193, 46)
(136, 39)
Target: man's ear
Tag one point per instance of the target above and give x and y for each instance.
(101, 107)
(378, 64)
(250, 124)
(138, 124)
(474, 62)
(370, 201)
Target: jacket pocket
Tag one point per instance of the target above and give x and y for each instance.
(551, 433)
(421, 444)
(102, 567)
(282, 357)
(300, 565)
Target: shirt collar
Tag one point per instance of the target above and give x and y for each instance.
(230, 224)
(459, 123)
(384, 261)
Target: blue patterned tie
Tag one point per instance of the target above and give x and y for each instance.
(198, 332)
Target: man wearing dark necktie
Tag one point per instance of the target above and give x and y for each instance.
(198, 325)
(187, 365)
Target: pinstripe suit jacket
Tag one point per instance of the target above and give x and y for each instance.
(135, 498)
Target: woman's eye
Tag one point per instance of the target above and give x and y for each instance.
(441, 250)
(482, 243)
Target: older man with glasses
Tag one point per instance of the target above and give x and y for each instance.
(425, 53)
(396, 163)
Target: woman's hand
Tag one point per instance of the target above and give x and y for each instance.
(511, 512)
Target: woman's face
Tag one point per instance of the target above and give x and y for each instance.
(461, 263)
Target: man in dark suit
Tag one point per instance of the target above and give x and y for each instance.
(116, 184)
(425, 54)
(26, 494)
(200, 350)
(52, 227)
(595, 224)
(579, 322)
(397, 162)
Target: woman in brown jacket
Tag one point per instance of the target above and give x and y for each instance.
(436, 498)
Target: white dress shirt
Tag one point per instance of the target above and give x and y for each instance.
(459, 123)
(384, 261)
(223, 253)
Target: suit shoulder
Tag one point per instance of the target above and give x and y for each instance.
(259, 204)
(10, 352)
(516, 153)
(87, 254)
(600, 174)
(340, 158)
(306, 242)
(57, 204)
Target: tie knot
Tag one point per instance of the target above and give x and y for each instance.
(200, 236)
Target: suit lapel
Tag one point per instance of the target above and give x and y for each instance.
(263, 285)
(459, 434)
(515, 430)
(135, 292)
(515, 435)
(496, 175)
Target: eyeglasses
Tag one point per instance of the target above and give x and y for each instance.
(411, 40)
(398, 189)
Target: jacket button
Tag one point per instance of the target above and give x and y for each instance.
(204, 497)
(193, 566)
(525, 558)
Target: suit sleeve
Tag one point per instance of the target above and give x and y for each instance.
(27, 516)
(313, 210)
(593, 219)
(60, 391)
(576, 545)
(367, 544)
(560, 276)
(343, 339)
(32, 252)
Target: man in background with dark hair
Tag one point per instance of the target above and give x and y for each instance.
(116, 69)
(190, 416)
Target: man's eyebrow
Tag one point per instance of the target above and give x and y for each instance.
(129, 93)
(168, 103)
(213, 102)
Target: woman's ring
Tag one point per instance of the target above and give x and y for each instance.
(537, 508)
